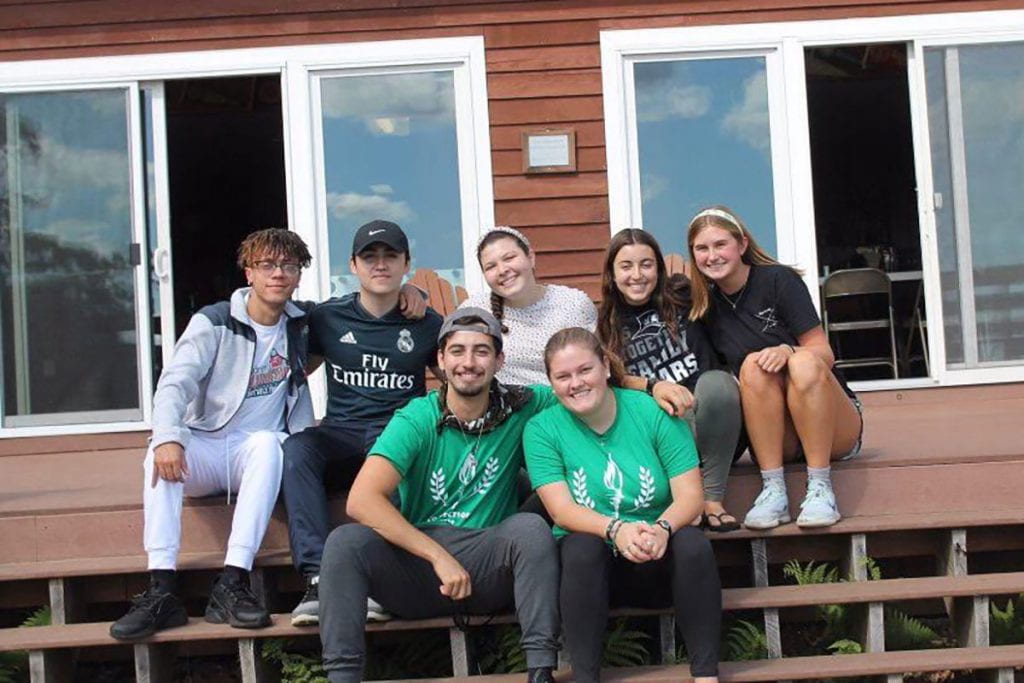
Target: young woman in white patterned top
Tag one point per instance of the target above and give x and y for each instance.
(529, 311)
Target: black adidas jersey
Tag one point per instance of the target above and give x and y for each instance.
(374, 365)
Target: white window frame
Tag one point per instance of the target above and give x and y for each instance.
(296, 66)
(796, 243)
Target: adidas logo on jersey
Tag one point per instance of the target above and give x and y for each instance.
(348, 338)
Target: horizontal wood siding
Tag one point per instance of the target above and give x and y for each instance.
(543, 68)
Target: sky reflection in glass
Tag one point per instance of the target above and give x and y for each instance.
(703, 136)
(390, 151)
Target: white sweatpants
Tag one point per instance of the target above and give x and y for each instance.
(247, 465)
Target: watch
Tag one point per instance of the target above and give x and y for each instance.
(663, 523)
(649, 389)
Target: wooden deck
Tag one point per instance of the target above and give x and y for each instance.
(940, 474)
(50, 484)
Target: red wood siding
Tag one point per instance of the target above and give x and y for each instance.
(543, 66)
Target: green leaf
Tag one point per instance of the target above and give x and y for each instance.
(746, 642)
(845, 646)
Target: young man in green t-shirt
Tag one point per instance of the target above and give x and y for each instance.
(457, 546)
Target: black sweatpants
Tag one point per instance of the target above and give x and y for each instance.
(317, 460)
(593, 579)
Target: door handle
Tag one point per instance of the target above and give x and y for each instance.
(162, 262)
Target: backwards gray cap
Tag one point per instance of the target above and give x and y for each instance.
(480, 320)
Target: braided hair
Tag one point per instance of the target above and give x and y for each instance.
(489, 238)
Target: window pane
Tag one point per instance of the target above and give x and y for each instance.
(67, 300)
(703, 136)
(985, 94)
(390, 151)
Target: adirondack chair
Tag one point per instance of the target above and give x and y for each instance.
(442, 297)
(676, 264)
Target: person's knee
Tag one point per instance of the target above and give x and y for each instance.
(806, 371)
(346, 541)
(581, 553)
(752, 377)
(717, 390)
(691, 546)
(299, 450)
(529, 534)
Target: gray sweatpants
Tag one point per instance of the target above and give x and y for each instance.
(513, 563)
(716, 424)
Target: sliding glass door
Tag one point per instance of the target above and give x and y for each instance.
(976, 133)
(70, 326)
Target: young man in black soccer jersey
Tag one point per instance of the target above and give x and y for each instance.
(375, 359)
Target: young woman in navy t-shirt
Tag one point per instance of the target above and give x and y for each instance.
(760, 317)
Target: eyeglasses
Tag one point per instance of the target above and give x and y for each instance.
(268, 267)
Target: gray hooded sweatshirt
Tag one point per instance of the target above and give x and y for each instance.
(205, 383)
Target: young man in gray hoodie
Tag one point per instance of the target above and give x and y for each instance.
(235, 388)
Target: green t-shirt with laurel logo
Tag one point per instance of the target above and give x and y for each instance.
(452, 478)
(622, 473)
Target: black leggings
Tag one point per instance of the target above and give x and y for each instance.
(592, 578)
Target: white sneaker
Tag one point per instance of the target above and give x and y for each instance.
(374, 612)
(819, 506)
(771, 508)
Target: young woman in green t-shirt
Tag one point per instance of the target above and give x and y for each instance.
(620, 479)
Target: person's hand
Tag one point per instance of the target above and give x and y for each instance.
(674, 399)
(454, 578)
(774, 358)
(631, 542)
(169, 462)
(655, 540)
(411, 302)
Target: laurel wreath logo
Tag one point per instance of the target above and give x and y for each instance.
(579, 489)
(647, 489)
(488, 477)
(438, 486)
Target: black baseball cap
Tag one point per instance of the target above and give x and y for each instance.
(471, 319)
(381, 231)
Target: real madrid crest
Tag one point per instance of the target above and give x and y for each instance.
(405, 342)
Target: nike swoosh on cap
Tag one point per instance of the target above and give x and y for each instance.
(375, 232)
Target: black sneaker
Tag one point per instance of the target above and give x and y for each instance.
(307, 612)
(150, 612)
(233, 602)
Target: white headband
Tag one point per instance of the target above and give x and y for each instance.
(718, 213)
(508, 231)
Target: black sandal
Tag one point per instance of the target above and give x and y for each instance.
(722, 526)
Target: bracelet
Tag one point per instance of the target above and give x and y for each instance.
(649, 389)
(790, 347)
(612, 529)
(611, 532)
(664, 524)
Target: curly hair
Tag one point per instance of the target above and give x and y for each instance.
(273, 243)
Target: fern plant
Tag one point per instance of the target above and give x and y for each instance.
(1007, 625)
(506, 654)
(745, 642)
(296, 667)
(624, 646)
(904, 632)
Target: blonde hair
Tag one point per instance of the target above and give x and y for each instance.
(720, 216)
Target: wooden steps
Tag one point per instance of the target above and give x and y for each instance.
(1002, 657)
(733, 599)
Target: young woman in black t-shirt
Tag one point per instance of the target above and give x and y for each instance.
(760, 317)
(643, 319)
